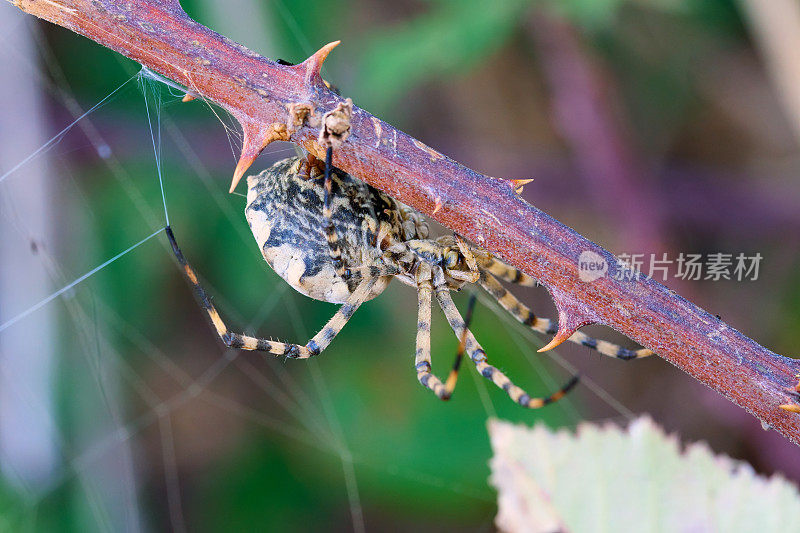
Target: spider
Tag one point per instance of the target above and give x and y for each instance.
(334, 238)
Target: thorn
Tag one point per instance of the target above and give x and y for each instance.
(571, 317)
(437, 205)
(570, 320)
(314, 63)
(517, 185)
(241, 168)
(791, 407)
(188, 97)
(250, 150)
(561, 336)
(251, 147)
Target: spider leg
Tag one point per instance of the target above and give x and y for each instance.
(316, 345)
(450, 384)
(505, 272)
(309, 166)
(521, 312)
(414, 226)
(469, 259)
(422, 361)
(330, 228)
(478, 356)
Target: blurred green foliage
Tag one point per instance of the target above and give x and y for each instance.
(419, 463)
(452, 37)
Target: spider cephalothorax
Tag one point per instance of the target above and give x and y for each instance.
(334, 238)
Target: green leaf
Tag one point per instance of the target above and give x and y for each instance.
(635, 479)
(451, 38)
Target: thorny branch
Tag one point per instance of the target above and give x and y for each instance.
(279, 102)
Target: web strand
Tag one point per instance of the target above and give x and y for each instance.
(60, 135)
(313, 422)
(10, 322)
(196, 387)
(156, 138)
(171, 474)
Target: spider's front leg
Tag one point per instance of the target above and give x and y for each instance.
(523, 314)
(473, 274)
(236, 340)
(478, 356)
(504, 271)
(330, 229)
(422, 360)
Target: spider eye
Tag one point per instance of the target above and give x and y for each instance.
(451, 259)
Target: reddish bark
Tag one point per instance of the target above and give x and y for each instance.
(260, 94)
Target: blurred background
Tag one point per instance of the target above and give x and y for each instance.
(650, 126)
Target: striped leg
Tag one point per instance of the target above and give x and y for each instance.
(543, 325)
(330, 229)
(422, 361)
(472, 275)
(506, 272)
(478, 356)
(245, 342)
(450, 384)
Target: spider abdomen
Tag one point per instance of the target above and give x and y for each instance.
(285, 213)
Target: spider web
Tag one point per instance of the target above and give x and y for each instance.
(130, 383)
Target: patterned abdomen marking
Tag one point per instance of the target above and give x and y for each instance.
(285, 213)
